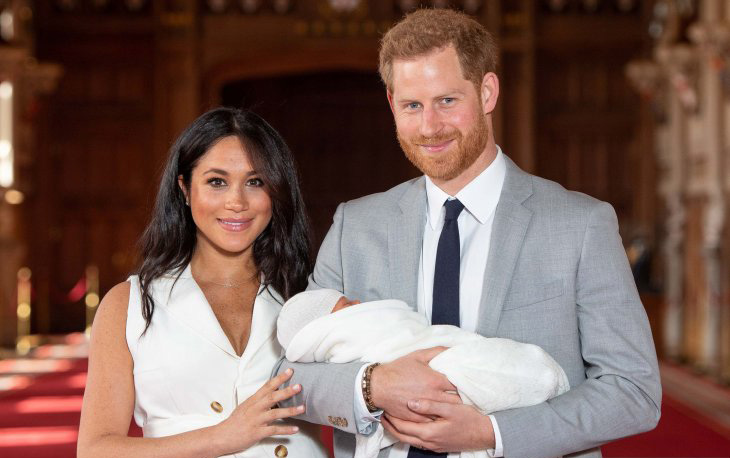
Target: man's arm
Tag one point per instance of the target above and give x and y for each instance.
(327, 389)
(622, 393)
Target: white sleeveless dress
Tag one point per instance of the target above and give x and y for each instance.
(187, 375)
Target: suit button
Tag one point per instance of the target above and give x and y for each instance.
(216, 406)
(280, 451)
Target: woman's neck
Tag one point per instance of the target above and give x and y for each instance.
(207, 264)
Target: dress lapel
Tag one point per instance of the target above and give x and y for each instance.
(405, 239)
(263, 323)
(188, 304)
(511, 220)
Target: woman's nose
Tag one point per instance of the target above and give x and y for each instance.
(236, 201)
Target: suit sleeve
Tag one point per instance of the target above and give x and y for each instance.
(327, 389)
(622, 393)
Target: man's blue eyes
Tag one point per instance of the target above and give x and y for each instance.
(416, 105)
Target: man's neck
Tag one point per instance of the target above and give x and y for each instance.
(456, 184)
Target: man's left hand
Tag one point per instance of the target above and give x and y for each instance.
(455, 427)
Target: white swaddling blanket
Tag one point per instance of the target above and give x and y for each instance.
(491, 374)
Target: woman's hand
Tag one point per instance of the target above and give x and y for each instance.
(256, 417)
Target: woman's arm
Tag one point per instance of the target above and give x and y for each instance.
(109, 402)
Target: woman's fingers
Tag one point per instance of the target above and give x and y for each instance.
(280, 430)
(264, 393)
(280, 395)
(284, 412)
(279, 380)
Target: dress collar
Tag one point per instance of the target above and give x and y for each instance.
(186, 302)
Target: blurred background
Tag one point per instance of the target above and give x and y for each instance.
(625, 100)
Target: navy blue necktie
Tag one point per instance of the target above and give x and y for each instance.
(445, 306)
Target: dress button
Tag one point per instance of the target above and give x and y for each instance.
(280, 451)
(216, 406)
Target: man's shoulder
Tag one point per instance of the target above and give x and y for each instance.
(382, 202)
(554, 199)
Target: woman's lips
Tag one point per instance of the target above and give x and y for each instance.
(234, 225)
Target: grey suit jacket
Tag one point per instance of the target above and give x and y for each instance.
(556, 276)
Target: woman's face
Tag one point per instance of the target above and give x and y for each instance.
(228, 199)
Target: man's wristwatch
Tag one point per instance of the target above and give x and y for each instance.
(366, 393)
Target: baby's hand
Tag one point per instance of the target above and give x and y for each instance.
(342, 303)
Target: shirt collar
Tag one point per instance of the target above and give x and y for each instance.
(480, 196)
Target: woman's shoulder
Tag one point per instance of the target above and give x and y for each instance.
(112, 311)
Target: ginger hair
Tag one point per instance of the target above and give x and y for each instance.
(428, 30)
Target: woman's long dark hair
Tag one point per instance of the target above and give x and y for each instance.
(281, 251)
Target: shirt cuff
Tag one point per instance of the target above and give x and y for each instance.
(365, 421)
(497, 451)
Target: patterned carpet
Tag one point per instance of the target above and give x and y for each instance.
(40, 403)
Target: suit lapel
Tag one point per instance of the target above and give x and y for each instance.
(511, 220)
(405, 239)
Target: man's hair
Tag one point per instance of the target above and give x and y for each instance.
(427, 30)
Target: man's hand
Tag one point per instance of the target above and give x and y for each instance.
(409, 377)
(455, 428)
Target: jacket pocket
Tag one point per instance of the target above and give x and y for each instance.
(533, 294)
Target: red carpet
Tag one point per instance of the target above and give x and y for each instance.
(39, 416)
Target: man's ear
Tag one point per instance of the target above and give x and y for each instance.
(390, 101)
(181, 183)
(489, 92)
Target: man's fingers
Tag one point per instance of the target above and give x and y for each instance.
(431, 408)
(449, 398)
(400, 436)
(409, 428)
(412, 416)
(427, 354)
(443, 384)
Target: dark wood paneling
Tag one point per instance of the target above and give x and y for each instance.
(95, 179)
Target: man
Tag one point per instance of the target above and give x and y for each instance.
(481, 244)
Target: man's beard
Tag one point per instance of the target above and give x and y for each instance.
(447, 165)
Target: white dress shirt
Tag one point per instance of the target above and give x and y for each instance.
(480, 198)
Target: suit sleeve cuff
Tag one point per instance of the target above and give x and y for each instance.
(365, 421)
(497, 451)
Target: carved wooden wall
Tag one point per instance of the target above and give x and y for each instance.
(687, 83)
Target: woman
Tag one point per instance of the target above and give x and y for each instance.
(188, 344)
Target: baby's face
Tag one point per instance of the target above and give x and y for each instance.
(342, 303)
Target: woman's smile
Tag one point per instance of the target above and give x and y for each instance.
(235, 224)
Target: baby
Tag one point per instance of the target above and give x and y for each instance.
(491, 374)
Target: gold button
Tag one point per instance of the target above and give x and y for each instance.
(280, 451)
(216, 406)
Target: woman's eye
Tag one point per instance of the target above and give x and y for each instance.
(258, 182)
(216, 182)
